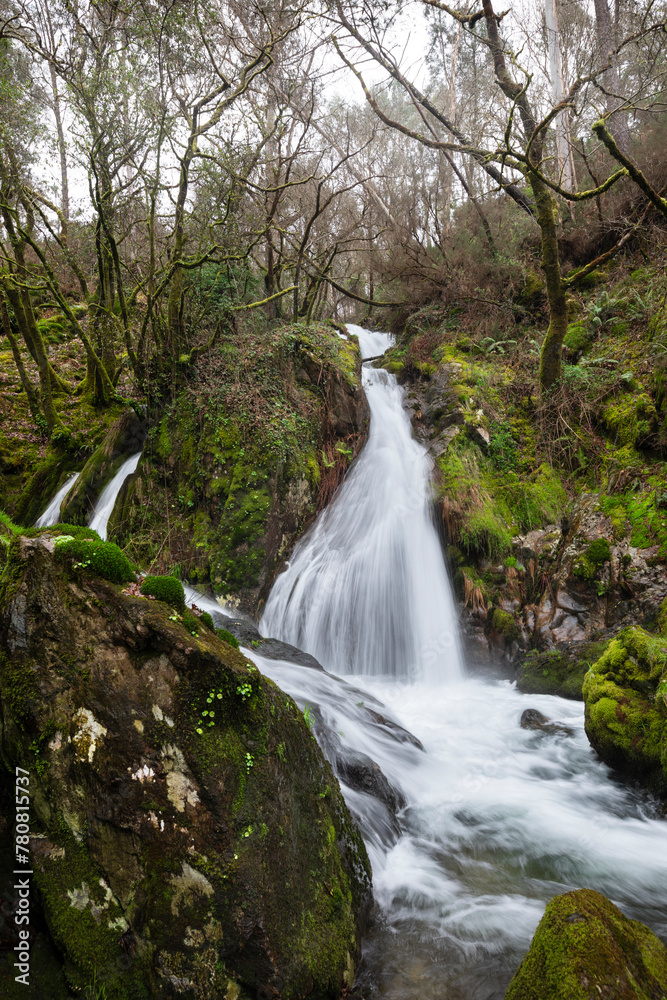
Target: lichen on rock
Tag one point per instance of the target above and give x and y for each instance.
(171, 858)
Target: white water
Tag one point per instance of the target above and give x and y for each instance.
(99, 519)
(52, 513)
(366, 591)
(498, 819)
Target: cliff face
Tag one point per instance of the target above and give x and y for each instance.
(240, 463)
(189, 839)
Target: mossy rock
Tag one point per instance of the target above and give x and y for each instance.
(179, 800)
(558, 671)
(99, 558)
(504, 624)
(587, 566)
(625, 692)
(584, 948)
(164, 588)
(578, 337)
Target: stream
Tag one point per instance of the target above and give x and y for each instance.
(487, 821)
(497, 819)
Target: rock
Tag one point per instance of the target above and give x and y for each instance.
(274, 649)
(175, 852)
(532, 719)
(558, 671)
(585, 949)
(625, 693)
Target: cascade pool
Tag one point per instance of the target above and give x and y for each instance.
(497, 819)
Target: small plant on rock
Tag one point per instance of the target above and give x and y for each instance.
(164, 588)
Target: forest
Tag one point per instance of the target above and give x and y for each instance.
(333, 499)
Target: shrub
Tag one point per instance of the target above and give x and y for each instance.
(227, 637)
(165, 588)
(102, 558)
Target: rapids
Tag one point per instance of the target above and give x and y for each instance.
(497, 819)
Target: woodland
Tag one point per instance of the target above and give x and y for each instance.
(200, 205)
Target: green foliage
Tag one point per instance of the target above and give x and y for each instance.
(100, 558)
(206, 619)
(588, 564)
(637, 511)
(165, 588)
(191, 622)
(631, 419)
(75, 530)
(227, 637)
(207, 715)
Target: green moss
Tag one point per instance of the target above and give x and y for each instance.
(165, 588)
(587, 565)
(227, 637)
(100, 558)
(631, 419)
(558, 671)
(578, 337)
(625, 716)
(505, 624)
(584, 947)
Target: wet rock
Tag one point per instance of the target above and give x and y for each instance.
(625, 693)
(393, 729)
(585, 948)
(558, 671)
(532, 719)
(274, 649)
(181, 810)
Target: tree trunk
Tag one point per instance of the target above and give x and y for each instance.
(552, 348)
(618, 120)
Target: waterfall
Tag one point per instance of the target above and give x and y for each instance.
(99, 519)
(52, 513)
(493, 820)
(366, 591)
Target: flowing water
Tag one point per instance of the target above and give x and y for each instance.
(497, 819)
(104, 506)
(367, 591)
(52, 513)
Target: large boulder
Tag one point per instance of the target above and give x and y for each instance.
(188, 838)
(585, 949)
(626, 712)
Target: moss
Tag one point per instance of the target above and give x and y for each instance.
(626, 718)
(165, 588)
(206, 619)
(100, 558)
(505, 624)
(637, 511)
(585, 947)
(578, 337)
(587, 565)
(631, 419)
(227, 637)
(559, 671)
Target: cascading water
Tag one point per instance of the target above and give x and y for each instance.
(366, 591)
(498, 819)
(107, 498)
(52, 513)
